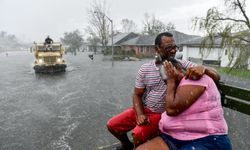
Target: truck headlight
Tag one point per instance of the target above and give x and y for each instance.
(40, 61)
(58, 59)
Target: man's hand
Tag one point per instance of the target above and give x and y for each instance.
(142, 120)
(195, 73)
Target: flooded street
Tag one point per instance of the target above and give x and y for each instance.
(69, 111)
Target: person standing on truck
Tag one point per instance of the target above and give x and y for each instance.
(48, 40)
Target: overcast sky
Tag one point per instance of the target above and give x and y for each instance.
(33, 20)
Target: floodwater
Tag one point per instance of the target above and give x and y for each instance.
(69, 111)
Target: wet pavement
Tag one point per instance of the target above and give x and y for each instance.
(69, 111)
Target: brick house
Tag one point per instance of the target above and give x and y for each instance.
(141, 45)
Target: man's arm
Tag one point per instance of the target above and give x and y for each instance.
(138, 106)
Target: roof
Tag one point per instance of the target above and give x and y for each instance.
(150, 39)
(121, 37)
(182, 37)
(198, 41)
(140, 40)
(217, 42)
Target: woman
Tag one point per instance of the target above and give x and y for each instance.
(194, 116)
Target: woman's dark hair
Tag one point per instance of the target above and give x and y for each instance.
(158, 37)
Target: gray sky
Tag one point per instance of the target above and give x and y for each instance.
(33, 20)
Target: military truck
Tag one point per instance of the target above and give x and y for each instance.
(49, 58)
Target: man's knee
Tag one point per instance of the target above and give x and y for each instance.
(111, 125)
(114, 126)
(142, 134)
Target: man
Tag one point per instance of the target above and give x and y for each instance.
(48, 40)
(193, 116)
(149, 93)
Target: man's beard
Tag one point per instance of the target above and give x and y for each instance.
(159, 59)
(168, 58)
(172, 59)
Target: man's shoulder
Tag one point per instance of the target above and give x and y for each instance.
(147, 65)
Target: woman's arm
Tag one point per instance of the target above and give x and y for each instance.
(180, 98)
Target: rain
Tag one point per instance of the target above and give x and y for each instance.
(62, 111)
(69, 110)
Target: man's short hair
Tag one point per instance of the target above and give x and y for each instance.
(158, 37)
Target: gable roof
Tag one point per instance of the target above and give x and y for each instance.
(121, 37)
(140, 40)
(182, 37)
(150, 39)
(147, 40)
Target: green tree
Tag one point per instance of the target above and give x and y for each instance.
(232, 26)
(153, 26)
(73, 41)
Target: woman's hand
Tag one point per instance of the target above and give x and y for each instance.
(170, 70)
(195, 73)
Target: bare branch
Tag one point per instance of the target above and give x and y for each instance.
(230, 19)
(244, 13)
(242, 39)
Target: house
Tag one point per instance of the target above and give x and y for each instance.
(142, 45)
(121, 37)
(192, 51)
(118, 39)
(209, 55)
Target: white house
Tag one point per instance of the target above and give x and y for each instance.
(191, 50)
